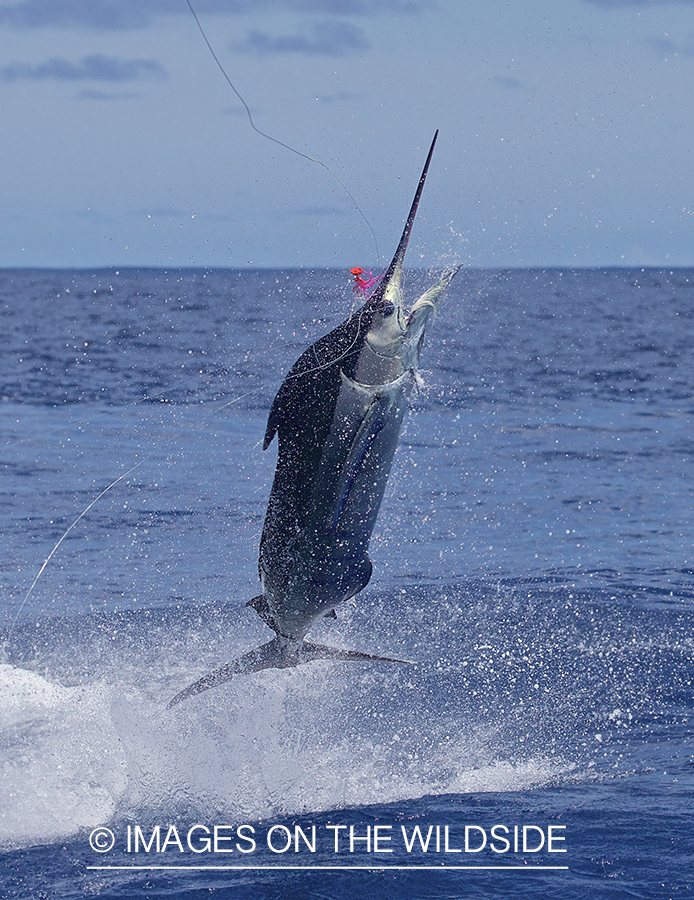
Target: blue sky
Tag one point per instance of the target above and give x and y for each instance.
(567, 129)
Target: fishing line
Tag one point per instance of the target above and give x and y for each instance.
(276, 140)
(225, 405)
(65, 534)
(103, 493)
(116, 481)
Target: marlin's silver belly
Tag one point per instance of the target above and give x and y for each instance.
(326, 560)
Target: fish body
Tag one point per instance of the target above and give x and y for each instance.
(337, 417)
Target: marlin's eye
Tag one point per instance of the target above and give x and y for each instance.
(387, 310)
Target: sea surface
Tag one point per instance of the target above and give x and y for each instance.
(534, 557)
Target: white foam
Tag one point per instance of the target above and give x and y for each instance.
(276, 743)
(62, 765)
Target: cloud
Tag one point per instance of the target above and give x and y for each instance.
(90, 68)
(111, 15)
(665, 48)
(322, 39)
(101, 14)
(510, 83)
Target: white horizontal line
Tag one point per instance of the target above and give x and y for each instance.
(375, 866)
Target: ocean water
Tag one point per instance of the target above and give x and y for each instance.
(534, 557)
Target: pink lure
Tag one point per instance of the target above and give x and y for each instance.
(363, 286)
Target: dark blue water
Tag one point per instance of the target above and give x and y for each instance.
(534, 557)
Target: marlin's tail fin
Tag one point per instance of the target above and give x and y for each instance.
(275, 655)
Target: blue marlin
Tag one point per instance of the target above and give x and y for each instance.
(337, 417)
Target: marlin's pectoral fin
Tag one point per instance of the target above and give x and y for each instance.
(428, 301)
(274, 655)
(372, 423)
